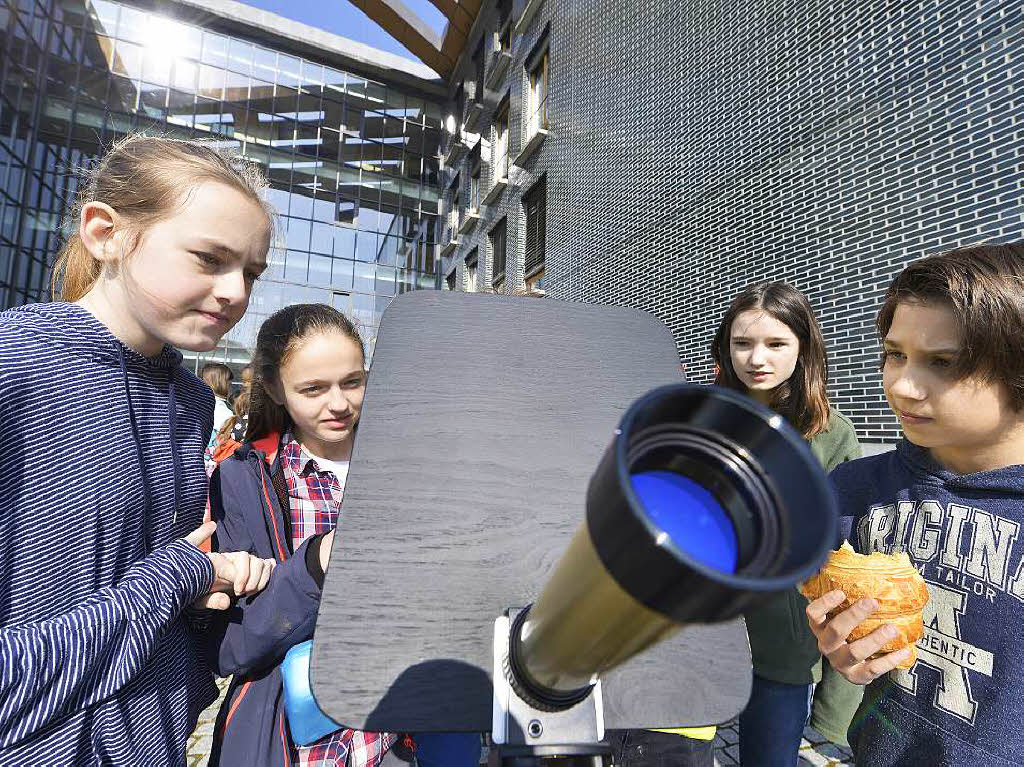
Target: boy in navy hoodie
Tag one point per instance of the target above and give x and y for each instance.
(952, 497)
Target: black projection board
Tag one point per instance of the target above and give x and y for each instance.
(483, 420)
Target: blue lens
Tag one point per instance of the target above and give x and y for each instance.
(691, 516)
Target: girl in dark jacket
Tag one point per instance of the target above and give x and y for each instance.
(280, 494)
(770, 347)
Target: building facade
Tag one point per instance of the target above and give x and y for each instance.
(664, 156)
(660, 157)
(352, 160)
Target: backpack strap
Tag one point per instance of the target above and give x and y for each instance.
(269, 446)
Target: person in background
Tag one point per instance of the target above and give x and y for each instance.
(770, 347)
(218, 377)
(246, 381)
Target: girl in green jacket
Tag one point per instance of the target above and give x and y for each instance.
(769, 346)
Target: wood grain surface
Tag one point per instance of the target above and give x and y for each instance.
(483, 420)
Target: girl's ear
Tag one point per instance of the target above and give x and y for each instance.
(99, 232)
(274, 391)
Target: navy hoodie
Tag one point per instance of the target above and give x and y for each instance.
(101, 474)
(961, 702)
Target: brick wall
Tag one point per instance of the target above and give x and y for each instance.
(695, 147)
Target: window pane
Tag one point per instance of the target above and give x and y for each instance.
(297, 266)
(288, 70)
(298, 233)
(215, 49)
(341, 274)
(185, 75)
(323, 238)
(364, 277)
(211, 82)
(156, 67)
(133, 26)
(344, 241)
(264, 63)
(128, 60)
(320, 270)
(385, 281)
(366, 247)
(240, 55)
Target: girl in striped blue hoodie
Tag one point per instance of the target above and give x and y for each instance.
(102, 487)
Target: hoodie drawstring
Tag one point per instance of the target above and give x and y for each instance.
(146, 521)
(172, 417)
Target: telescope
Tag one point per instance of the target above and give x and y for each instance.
(560, 619)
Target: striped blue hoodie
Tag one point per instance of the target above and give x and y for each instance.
(101, 475)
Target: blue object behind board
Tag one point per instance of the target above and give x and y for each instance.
(447, 749)
(306, 722)
(693, 518)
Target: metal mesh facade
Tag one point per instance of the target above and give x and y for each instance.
(696, 147)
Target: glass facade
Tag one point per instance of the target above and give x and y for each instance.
(353, 163)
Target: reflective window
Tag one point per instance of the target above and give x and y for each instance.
(353, 164)
(499, 158)
(538, 118)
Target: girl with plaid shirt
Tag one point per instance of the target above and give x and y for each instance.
(280, 494)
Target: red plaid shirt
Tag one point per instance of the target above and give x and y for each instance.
(314, 500)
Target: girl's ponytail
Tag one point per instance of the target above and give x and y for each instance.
(75, 271)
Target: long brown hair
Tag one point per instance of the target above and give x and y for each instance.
(217, 376)
(280, 335)
(144, 179)
(802, 399)
(983, 285)
(241, 410)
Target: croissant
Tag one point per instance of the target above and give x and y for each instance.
(890, 579)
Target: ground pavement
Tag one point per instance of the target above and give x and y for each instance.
(814, 750)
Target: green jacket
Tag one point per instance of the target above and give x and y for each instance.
(782, 646)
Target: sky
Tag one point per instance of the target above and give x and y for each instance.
(342, 18)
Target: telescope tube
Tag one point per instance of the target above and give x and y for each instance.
(703, 501)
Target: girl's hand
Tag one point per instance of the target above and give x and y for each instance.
(851, 658)
(235, 573)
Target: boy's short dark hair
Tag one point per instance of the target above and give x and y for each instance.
(984, 286)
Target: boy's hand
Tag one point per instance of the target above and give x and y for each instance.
(851, 658)
(235, 573)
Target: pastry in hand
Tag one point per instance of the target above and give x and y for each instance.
(890, 579)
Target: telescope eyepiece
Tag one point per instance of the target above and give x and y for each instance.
(709, 498)
(704, 501)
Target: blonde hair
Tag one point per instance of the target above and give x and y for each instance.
(218, 377)
(144, 178)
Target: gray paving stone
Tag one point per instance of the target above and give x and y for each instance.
(815, 748)
(813, 736)
(201, 741)
(808, 756)
(832, 751)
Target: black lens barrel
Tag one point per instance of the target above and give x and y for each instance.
(760, 470)
(623, 584)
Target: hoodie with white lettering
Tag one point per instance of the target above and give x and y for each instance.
(960, 704)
